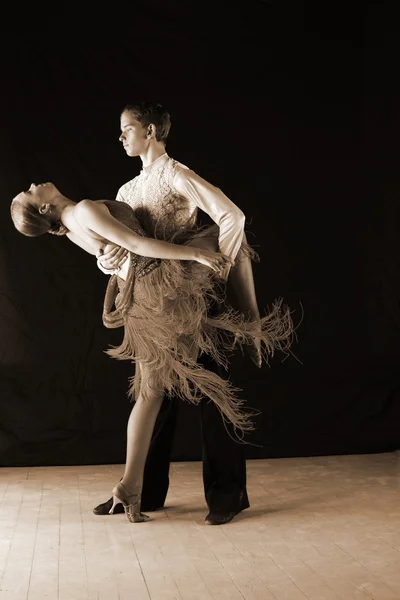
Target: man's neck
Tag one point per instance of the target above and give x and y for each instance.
(152, 154)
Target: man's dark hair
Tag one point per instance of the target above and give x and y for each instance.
(151, 113)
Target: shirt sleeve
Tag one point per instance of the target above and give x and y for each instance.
(120, 196)
(217, 205)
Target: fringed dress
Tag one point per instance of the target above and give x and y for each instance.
(164, 308)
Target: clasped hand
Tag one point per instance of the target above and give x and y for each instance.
(112, 257)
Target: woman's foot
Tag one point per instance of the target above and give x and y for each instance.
(130, 502)
(254, 352)
(105, 508)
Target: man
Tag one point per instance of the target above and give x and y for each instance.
(166, 196)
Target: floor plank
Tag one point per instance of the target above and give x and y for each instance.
(320, 528)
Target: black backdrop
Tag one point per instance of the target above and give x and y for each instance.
(292, 112)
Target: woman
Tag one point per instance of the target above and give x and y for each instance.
(161, 296)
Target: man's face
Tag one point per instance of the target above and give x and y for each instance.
(133, 136)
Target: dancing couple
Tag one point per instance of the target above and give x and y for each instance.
(185, 297)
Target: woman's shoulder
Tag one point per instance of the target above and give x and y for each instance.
(87, 204)
(87, 209)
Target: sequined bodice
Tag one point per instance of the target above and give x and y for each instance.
(124, 214)
(121, 211)
(161, 211)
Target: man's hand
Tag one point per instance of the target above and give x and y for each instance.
(215, 260)
(112, 256)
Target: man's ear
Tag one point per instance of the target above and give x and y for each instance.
(44, 209)
(151, 131)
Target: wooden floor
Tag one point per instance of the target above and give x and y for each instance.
(323, 528)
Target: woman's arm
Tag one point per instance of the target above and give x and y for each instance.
(91, 248)
(97, 219)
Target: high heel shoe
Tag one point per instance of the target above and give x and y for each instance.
(131, 504)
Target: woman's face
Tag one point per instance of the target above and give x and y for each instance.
(40, 194)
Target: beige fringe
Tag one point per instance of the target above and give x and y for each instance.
(167, 327)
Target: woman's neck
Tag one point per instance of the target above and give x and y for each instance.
(66, 208)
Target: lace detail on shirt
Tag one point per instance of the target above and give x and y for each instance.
(162, 212)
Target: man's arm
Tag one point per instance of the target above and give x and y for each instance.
(218, 206)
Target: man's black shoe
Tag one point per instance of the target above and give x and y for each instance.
(220, 518)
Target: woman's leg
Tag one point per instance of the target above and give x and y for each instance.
(241, 291)
(140, 429)
(240, 280)
(241, 294)
(242, 287)
(156, 470)
(139, 432)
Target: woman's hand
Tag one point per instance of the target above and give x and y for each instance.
(112, 256)
(214, 260)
